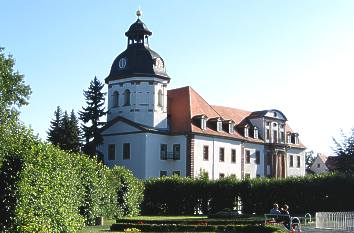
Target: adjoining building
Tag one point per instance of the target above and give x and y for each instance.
(325, 164)
(157, 132)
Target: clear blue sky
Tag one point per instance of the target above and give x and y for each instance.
(295, 56)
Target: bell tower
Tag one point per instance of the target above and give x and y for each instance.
(137, 83)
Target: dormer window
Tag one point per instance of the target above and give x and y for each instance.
(203, 123)
(289, 138)
(219, 125)
(231, 127)
(255, 132)
(295, 138)
(246, 132)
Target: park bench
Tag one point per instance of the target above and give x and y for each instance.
(281, 219)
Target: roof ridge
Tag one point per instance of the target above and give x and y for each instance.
(219, 106)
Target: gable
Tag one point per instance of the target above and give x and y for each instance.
(120, 127)
(273, 113)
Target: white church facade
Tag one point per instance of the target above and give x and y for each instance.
(157, 132)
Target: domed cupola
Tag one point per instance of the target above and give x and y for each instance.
(138, 60)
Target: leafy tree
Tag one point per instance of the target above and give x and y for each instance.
(309, 158)
(13, 91)
(55, 130)
(90, 116)
(345, 151)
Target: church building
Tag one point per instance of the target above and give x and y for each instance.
(157, 132)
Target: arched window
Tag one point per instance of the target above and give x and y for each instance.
(115, 98)
(160, 98)
(126, 97)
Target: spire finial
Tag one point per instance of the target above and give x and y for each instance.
(139, 12)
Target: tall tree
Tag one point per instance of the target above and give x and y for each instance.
(74, 132)
(55, 130)
(64, 131)
(13, 91)
(90, 116)
(344, 148)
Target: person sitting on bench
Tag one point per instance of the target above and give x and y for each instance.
(275, 210)
(285, 218)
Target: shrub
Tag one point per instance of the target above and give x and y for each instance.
(181, 196)
(45, 189)
(126, 193)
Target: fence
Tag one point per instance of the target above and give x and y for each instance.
(335, 220)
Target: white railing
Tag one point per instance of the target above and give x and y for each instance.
(335, 220)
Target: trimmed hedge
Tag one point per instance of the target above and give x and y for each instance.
(183, 196)
(195, 228)
(235, 221)
(44, 189)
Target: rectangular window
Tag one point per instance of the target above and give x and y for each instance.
(291, 161)
(289, 138)
(248, 156)
(246, 131)
(233, 156)
(176, 173)
(318, 165)
(126, 151)
(255, 133)
(267, 134)
(298, 161)
(258, 157)
(221, 154)
(206, 153)
(111, 152)
(163, 151)
(282, 136)
(231, 127)
(218, 126)
(247, 175)
(163, 173)
(203, 123)
(221, 175)
(176, 151)
(275, 136)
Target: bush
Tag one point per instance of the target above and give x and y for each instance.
(45, 200)
(181, 196)
(126, 193)
(45, 189)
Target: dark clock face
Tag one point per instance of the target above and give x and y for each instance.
(122, 63)
(159, 63)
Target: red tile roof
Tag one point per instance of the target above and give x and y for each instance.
(185, 103)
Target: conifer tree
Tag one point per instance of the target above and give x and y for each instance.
(65, 128)
(64, 131)
(55, 130)
(74, 134)
(90, 116)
